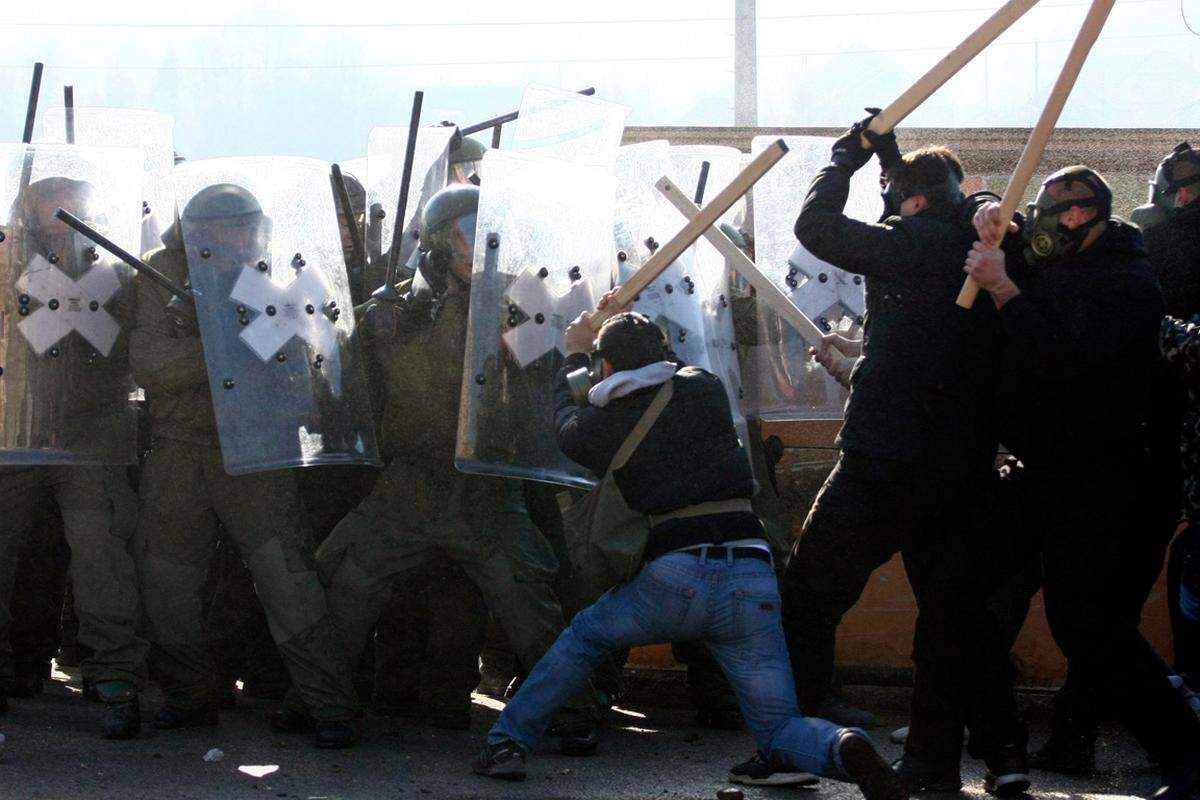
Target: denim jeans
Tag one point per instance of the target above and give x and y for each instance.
(730, 604)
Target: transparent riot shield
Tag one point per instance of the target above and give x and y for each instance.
(66, 395)
(543, 254)
(149, 131)
(563, 124)
(385, 171)
(273, 303)
(781, 379)
(713, 282)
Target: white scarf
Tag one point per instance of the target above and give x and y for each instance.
(622, 383)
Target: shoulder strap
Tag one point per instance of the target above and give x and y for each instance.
(649, 417)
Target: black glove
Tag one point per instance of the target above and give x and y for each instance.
(884, 144)
(848, 151)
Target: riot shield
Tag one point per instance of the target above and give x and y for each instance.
(714, 277)
(273, 302)
(543, 254)
(149, 131)
(385, 168)
(563, 124)
(677, 299)
(66, 395)
(781, 379)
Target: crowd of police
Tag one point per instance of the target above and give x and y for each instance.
(409, 587)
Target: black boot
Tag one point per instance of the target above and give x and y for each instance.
(169, 719)
(1007, 771)
(919, 776)
(336, 734)
(863, 765)
(1071, 748)
(122, 720)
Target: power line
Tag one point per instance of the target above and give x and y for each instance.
(549, 61)
(887, 12)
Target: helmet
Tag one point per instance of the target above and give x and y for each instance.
(1179, 169)
(934, 173)
(466, 159)
(1046, 238)
(452, 210)
(221, 201)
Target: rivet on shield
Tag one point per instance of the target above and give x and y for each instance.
(281, 357)
(244, 320)
(792, 272)
(493, 242)
(513, 321)
(669, 289)
(310, 309)
(539, 318)
(822, 277)
(23, 299)
(858, 280)
(91, 251)
(241, 310)
(270, 311)
(227, 383)
(54, 352)
(682, 335)
(480, 379)
(205, 253)
(651, 245)
(824, 323)
(574, 274)
(792, 282)
(23, 311)
(543, 273)
(53, 304)
(145, 208)
(512, 308)
(621, 256)
(53, 258)
(724, 302)
(262, 266)
(94, 306)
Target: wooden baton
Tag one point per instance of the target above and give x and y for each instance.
(1093, 23)
(693, 230)
(764, 286)
(949, 66)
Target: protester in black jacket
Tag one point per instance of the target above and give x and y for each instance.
(919, 440)
(707, 574)
(1081, 324)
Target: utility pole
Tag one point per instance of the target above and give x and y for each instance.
(745, 64)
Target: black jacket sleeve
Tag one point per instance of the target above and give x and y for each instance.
(874, 249)
(581, 436)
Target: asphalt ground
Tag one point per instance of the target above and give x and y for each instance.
(52, 751)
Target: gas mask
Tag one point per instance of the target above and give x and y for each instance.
(1046, 237)
(580, 381)
(1180, 169)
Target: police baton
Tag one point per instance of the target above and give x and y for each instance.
(388, 290)
(108, 244)
(1093, 23)
(496, 122)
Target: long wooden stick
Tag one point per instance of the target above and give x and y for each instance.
(767, 291)
(1093, 23)
(693, 230)
(949, 66)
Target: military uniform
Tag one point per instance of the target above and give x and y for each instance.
(185, 493)
(423, 508)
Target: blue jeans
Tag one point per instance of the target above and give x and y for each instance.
(732, 605)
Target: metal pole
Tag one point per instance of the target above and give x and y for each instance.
(745, 64)
(141, 266)
(69, 109)
(347, 212)
(35, 89)
(503, 118)
(701, 183)
(388, 290)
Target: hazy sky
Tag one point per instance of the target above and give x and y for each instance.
(312, 78)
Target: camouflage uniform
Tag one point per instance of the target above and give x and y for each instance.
(186, 494)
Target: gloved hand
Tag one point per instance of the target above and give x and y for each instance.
(884, 144)
(848, 150)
